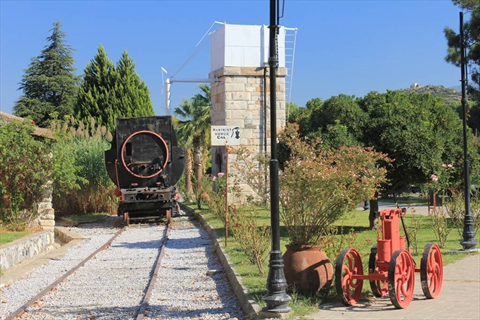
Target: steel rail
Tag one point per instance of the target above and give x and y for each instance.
(153, 279)
(21, 310)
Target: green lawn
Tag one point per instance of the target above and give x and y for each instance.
(6, 237)
(352, 231)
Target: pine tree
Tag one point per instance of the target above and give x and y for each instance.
(109, 92)
(49, 84)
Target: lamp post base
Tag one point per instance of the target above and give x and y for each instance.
(468, 244)
(276, 299)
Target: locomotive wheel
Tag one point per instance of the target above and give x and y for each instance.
(168, 216)
(126, 218)
(401, 279)
(379, 288)
(431, 271)
(347, 265)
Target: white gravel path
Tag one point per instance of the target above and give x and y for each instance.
(185, 288)
(111, 285)
(17, 294)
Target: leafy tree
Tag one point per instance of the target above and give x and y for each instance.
(339, 110)
(472, 39)
(195, 128)
(109, 92)
(418, 131)
(49, 84)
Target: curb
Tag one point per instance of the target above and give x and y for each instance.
(249, 306)
(65, 236)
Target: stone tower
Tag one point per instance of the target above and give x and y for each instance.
(239, 61)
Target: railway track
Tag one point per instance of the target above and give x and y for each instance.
(127, 279)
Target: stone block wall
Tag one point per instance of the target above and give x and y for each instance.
(22, 249)
(238, 99)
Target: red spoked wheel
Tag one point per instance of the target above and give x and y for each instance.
(379, 288)
(401, 279)
(431, 271)
(348, 265)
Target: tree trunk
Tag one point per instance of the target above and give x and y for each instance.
(188, 172)
(373, 211)
(197, 158)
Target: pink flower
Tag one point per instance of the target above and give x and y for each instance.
(444, 165)
(214, 178)
(33, 121)
(434, 177)
(220, 174)
(450, 166)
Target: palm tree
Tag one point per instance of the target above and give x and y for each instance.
(194, 130)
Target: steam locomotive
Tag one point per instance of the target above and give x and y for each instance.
(146, 164)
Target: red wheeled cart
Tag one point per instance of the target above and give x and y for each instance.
(391, 267)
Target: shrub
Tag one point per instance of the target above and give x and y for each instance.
(81, 183)
(455, 210)
(252, 238)
(318, 184)
(25, 167)
(216, 196)
(440, 228)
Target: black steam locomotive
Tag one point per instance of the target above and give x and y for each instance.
(146, 164)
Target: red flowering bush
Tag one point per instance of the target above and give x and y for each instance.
(318, 185)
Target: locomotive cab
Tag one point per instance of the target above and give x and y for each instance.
(146, 164)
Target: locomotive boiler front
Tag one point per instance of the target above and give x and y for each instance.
(146, 164)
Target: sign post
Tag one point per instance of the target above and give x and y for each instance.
(225, 136)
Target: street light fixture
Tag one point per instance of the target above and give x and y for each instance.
(276, 299)
(468, 242)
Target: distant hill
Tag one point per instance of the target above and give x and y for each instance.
(449, 95)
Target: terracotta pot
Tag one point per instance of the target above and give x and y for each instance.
(307, 268)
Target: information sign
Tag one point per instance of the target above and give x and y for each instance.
(226, 135)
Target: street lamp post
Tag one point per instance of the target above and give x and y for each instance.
(468, 230)
(276, 299)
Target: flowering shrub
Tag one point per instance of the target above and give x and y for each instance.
(318, 186)
(442, 181)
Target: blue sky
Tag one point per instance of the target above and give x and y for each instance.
(350, 47)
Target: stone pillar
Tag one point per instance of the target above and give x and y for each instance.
(46, 213)
(238, 100)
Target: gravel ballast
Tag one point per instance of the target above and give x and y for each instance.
(190, 284)
(14, 296)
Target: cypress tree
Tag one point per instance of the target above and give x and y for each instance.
(49, 84)
(96, 95)
(109, 92)
(132, 93)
